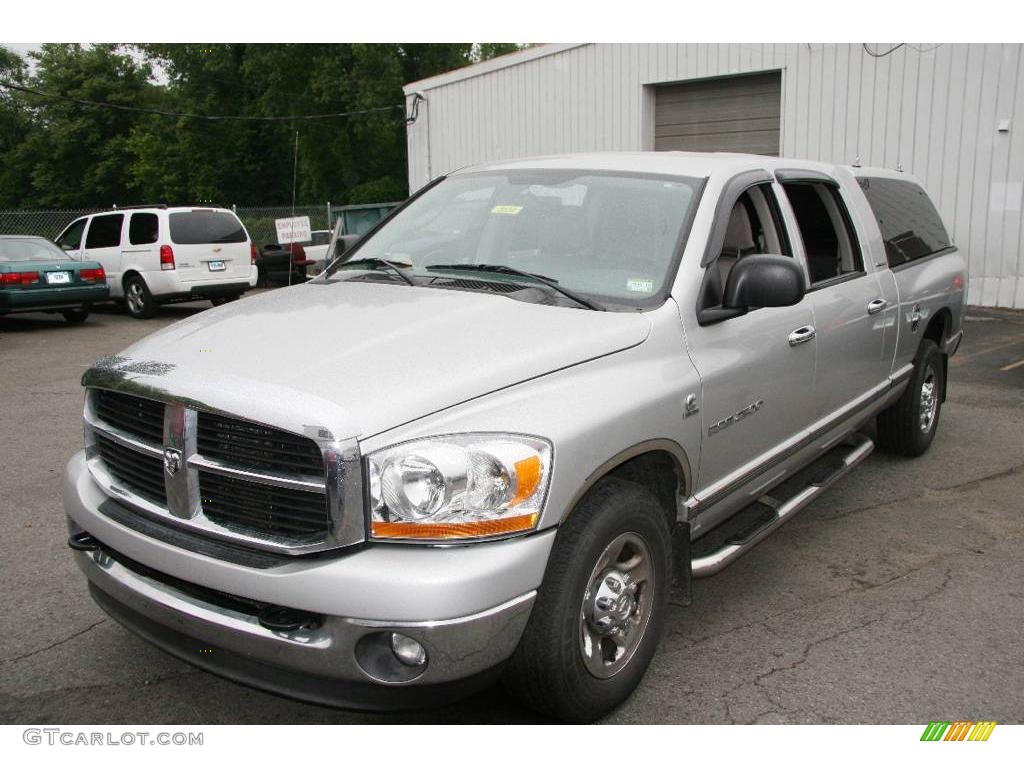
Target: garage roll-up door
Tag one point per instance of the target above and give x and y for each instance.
(728, 114)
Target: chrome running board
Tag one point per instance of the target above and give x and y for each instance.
(852, 451)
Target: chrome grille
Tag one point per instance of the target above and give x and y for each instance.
(257, 447)
(234, 479)
(136, 471)
(135, 415)
(245, 505)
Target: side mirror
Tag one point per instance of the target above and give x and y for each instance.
(763, 280)
(345, 243)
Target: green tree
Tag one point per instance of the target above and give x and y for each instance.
(15, 127)
(77, 155)
(57, 151)
(492, 50)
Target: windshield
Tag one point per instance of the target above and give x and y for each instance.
(29, 249)
(611, 238)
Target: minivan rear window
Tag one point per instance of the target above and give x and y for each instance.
(200, 227)
(911, 227)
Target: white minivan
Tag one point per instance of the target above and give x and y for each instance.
(156, 254)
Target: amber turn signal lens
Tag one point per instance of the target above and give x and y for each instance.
(469, 530)
(527, 479)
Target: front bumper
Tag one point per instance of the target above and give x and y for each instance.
(467, 606)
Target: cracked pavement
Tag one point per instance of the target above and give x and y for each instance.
(897, 597)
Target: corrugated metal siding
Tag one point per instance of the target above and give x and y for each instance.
(933, 111)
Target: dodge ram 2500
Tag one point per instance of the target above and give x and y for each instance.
(540, 394)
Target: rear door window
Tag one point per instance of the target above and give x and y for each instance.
(203, 227)
(105, 231)
(143, 229)
(911, 227)
(830, 243)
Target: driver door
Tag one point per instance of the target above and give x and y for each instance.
(757, 370)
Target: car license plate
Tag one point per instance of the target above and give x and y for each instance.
(217, 266)
(58, 278)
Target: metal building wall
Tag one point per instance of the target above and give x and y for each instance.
(936, 111)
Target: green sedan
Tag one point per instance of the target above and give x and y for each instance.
(37, 276)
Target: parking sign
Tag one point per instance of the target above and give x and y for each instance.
(293, 230)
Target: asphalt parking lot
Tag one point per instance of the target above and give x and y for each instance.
(898, 597)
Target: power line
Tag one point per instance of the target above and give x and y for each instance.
(877, 55)
(169, 113)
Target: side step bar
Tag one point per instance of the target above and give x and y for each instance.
(858, 447)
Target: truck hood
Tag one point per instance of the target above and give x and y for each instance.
(356, 359)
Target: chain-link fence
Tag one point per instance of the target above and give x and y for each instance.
(258, 220)
(44, 223)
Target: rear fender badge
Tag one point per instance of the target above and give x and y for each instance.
(728, 421)
(172, 461)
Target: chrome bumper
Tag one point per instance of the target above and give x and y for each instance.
(147, 586)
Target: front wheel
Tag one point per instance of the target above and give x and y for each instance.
(138, 299)
(907, 427)
(599, 613)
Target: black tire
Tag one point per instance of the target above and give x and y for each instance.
(218, 300)
(902, 427)
(77, 315)
(549, 671)
(137, 299)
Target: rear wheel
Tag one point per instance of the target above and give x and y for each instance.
(138, 299)
(908, 426)
(599, 613)
(218, 300)
(76, 315)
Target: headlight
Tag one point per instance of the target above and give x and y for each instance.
(458, 487)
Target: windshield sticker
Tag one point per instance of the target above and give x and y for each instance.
(508, 210)
(640, 286)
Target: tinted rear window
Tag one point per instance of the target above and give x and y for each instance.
(195, 227)
(911, 227)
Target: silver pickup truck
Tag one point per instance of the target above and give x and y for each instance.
(490, 439)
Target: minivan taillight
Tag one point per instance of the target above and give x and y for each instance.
(166, 257)
(252, 253)
(91, 275)
(19, 278)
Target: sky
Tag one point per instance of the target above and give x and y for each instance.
(22, 49)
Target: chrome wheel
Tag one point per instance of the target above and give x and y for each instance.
(617, 605)
(135, 298)
(929, 400)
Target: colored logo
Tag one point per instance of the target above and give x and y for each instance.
(958, 730)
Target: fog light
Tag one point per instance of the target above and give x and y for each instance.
(407, 650)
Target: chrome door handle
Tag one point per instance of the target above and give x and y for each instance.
(877, 306)
(801, 335)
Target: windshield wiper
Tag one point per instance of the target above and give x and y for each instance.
(376, 263)
(501, 269)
